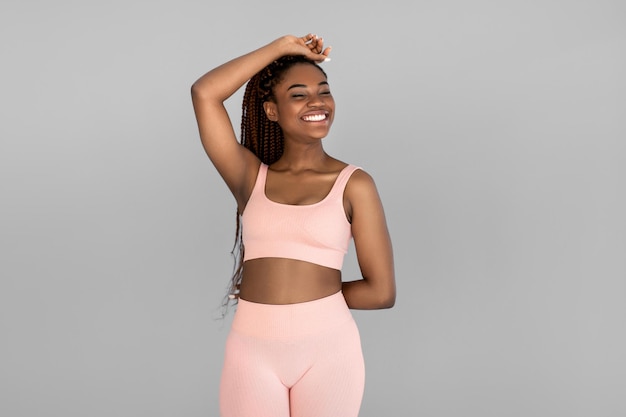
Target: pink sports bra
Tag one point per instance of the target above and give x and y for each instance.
(318, 233)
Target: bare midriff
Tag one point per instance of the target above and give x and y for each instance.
(287, 281)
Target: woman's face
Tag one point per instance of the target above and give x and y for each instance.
(303, 105)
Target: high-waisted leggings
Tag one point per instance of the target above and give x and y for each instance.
(294, 360)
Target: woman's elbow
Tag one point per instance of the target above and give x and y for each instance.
(386, 298)
(196, 90)
(388, 302)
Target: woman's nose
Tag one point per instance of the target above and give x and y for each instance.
(316, 101)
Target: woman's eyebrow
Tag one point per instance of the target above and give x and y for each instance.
(304, 86)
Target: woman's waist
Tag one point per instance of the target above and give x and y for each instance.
(287, 281)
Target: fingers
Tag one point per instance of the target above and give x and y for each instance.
(315, 43)
(308, 38)
(316, 46)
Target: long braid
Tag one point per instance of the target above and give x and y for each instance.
(262, 136)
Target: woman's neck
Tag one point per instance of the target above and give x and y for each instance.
(301, 157)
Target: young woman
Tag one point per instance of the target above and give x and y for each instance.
(293, 349)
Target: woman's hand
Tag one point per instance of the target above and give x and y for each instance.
(316, 45)
(311, 46)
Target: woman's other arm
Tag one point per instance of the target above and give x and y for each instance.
(377, 288)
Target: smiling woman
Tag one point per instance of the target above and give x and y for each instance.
(294, 348)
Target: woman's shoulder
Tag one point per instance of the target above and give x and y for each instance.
(359, 181)
(360, 193)
(360, 178)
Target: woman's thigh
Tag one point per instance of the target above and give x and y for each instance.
(250, 385)
(334, 385)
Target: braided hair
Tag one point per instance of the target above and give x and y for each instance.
(261, 135)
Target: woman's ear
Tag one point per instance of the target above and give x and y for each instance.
(270, 110)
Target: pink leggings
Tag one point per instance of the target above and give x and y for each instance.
(294, 360)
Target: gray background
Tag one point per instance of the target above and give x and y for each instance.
(495, 132)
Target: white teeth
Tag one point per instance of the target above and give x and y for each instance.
(314, 118)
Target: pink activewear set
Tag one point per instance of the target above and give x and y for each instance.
(294, 360)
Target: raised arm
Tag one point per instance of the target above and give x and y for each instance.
(236, 164)
(377, 288)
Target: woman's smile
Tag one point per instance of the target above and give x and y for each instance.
(318, 116)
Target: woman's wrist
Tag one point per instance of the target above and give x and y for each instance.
(283, 46)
